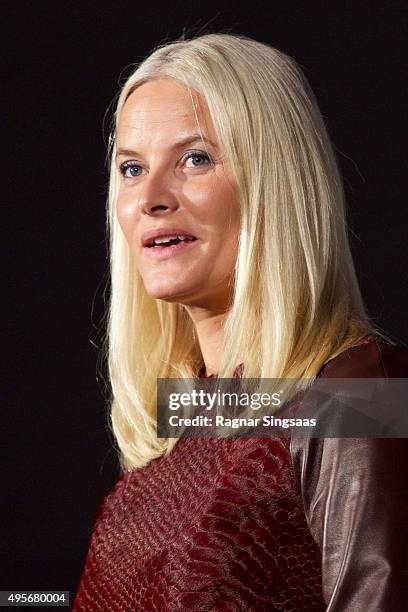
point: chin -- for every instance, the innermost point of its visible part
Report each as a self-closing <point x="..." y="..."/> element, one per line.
<point x="167" y="292"/>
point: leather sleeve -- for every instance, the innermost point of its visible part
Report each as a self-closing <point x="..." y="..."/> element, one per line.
<point x="356" y="504"/>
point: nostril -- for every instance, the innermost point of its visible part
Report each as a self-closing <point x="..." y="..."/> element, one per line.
<point x="158" y="207"/>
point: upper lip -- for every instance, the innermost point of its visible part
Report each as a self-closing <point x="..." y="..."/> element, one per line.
<point x="150" y="235"/>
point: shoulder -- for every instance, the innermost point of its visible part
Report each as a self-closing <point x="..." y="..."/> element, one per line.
<point x="372" y="357"/>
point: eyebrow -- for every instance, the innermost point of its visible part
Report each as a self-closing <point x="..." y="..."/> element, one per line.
<point x="177" y="145"/>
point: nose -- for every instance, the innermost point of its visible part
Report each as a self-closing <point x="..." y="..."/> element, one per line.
<point x="158" y="195"/>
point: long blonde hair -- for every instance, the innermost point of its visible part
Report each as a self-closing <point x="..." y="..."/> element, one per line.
<point x="296" y="299"/>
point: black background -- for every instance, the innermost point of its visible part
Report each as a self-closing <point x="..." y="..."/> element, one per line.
<point x="63" y="67"/>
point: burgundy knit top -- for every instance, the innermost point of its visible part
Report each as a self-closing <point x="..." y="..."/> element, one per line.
<point x="260" y="524"/>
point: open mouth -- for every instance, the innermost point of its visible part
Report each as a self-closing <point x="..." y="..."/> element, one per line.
<point x="160" y="243"/>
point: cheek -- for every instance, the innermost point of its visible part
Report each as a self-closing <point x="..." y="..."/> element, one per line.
<point x="126" y="217"/>
<point x="215" y="203"/>
<point x="224" y="218"/>
<point x="225" y="211"/>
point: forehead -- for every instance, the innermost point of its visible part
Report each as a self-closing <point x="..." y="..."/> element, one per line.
<point x="163" y="108"/>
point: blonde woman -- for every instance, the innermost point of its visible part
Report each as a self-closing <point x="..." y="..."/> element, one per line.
<point x="230" y="257"/>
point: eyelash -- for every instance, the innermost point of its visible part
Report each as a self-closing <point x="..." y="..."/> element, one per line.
<point x="133" y="164"/>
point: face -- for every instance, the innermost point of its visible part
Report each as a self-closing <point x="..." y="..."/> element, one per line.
<point x="174" y="183"/>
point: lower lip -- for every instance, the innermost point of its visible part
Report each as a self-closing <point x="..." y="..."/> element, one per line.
<point x="162" y="252"/>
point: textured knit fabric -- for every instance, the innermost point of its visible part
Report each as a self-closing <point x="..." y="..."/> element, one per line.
<point x="219" y="524"/>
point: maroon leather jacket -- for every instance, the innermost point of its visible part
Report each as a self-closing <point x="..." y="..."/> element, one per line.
<point x="260" y="524"/>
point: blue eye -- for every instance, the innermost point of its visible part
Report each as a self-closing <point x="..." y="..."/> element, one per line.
<point x="130" y="169"/>
<point x="194" y="159"/>
<point x="198" y="159"/>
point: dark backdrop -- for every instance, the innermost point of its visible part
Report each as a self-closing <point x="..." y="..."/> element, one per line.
<point x="63" y="61"/>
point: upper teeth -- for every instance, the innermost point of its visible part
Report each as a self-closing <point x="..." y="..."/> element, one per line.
<point x="164" y="239"/>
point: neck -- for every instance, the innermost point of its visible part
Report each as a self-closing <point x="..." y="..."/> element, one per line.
<point x="210" y="333"/>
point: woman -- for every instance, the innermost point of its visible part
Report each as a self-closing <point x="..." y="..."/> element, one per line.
<point x="230" y="256"/>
